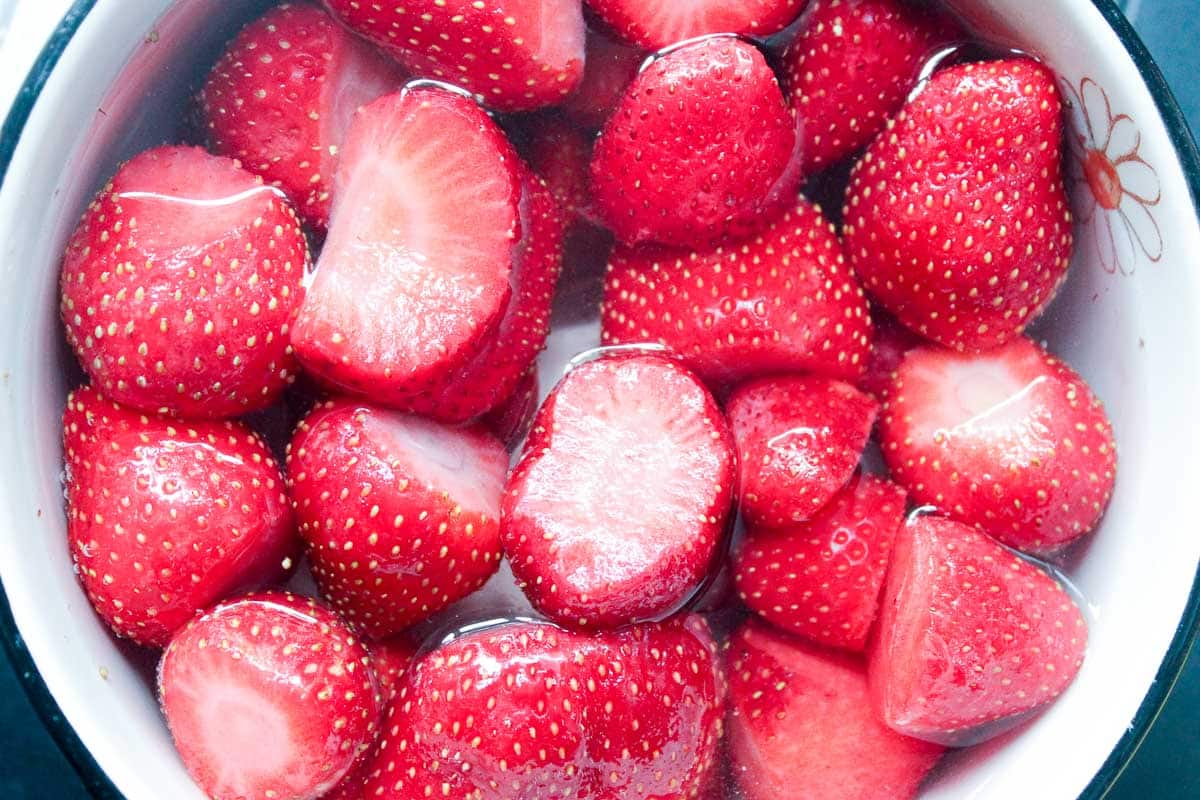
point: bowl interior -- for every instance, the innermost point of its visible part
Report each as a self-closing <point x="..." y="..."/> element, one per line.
<point x="1126" y="320"/>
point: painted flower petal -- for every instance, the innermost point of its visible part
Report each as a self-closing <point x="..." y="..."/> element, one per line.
<point x="1106" y="245"/>
<point x="1140" y="180"/>
<point x="1123" y="139"/>
<point x="1097" y="110"/>
<point x="1083" y="202"/>
<point x="1125" y="246"/>
<point x="1143" y="228"/>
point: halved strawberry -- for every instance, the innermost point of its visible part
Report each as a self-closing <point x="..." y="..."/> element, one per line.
<point x="700" y="147"/>
<point x="515" y="55"/>
<point x="514" y="417"/>
<point x="658" y="25"/>
<point x="268" y="696"/>
<point x="618" y="505"/>
<point x="971" y="636"/>
<point x="892" y="342"/>
<point x="180" y="283"/>
<point x="851" y="67"/>
<point x="801" y="726"/>
<point x="782" y="301"/>
<point x="799" y="439"/>
<point x="821" y="579"/>
<point x="528" y="710"/>
<point x="400" y="514"/>
<point x="610" y="66"/>
<point x="414" y="276"/>
<point x="1012" y="441"/>
<point x="957" y="219"/>
<point x="165" y="518"/>
<point x="282" y="96"/>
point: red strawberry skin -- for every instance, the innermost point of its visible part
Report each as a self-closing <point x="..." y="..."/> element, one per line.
<point x="821" y="579"/>
<point x="513" y="419"/>
<point x="851" y="67"/>
<point x="165" y="518"/>
<point x="801" y="726"/>
<point x="268" y="696"/>
<point x="611" y="65"/>
<point x="799" y="439"/>
<point x="782" y="301"/>
<point x="514" y="55"/>
<point x="1012" y="441"/>
<point x="658" y="25"/>
<point x="527" y="710"/>
<point x="400" y="515"/>
<point x="716" y="160"/>
<point x="282" y="95"/>
<point x="561" y="152"/>
<point x="957" y="218"/>
<point x="180" y="284"/>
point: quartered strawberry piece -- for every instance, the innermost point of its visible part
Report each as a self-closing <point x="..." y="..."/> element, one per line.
<point x="851" y="67"/>
<point x="971" y="636"/>
<point x="400" y="514"/>
<point x="268" y="696"/>
<point x="700" y="147"/>
<point x="1012" y="441"/>
<point x="514" y="55"/>
<point x="611" y="65"/>
<point x="527" y="710"/>
<point x="891" y="343"/>
<point x="799" y="439"/>
<point x="281" y="98"/>
<point x="658" y="25"/>
<point x="821" y="579"/>
<point x="180" y="283"/>
<point x="782" y="301"/>
<point x="802" y="727"/>
<point x="165" y="518"/>
<point x="514" y="417"/>
<point x="618" y="505"/>
<point x="414" y="277"/>
<point x="957" y="219"/>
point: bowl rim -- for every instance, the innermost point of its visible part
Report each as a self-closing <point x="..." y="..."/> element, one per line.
<point x="101" y="787"/>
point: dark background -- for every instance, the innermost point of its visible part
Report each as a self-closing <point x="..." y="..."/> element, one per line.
<point x="1166" y="768"/>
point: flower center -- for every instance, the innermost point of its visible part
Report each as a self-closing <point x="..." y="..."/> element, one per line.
<point x="1103" y="179"/>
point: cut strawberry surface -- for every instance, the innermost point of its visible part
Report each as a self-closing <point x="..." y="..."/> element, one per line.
<point x="801" y="726"/>
<point x="611" y="65"/>
<point x="821" y="579"/>
<point x="618" y="505"/>
<point x="1012" y="441"/>
<point x="658" y="25"/>
<point x="414" y="276"/>
<point x="971" y="636"/>
<point x="268" y="696"/>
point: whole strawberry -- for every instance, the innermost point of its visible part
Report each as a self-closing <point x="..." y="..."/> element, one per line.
<point x="957" y="218"/>
<point x="164" y="517"/>
<point x="659" y="25"/>
<point x="180" y="284"/>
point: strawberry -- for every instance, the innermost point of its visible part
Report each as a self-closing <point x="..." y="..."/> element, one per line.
<point x="515" y="55"/>
<point x="180" y="283"/>
<point x="799" y="440"/>
<point x="560" y="152"/>
<point x="1011" y="441"/>
<point x="282" y="95"/>
<point x="971" y="636"/>
<point x="513" y="419"/>
<point x="610" y="66"/>
<point x="617" y="507"/>
<point x="801" y="726"/>
<point x="892" y="342"/>
<point x="783" y="301"/>
<point x="957" y="218"/>
<point x="268" y="696"/>
<point x="400" y="514"/>
<point x="395" y="309"/>
<point x="165" y="517"/>
<point x="821" y="579"/>
<point x="527" y="710"/>
<point x="658" y="25"/>
<point x="851" y="67"/>
<point x="700" y="147"/>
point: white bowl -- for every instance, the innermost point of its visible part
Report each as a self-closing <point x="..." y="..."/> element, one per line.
<point x="113" y="80"/>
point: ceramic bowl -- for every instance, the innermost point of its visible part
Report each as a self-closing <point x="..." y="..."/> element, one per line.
<point x="112" y="81"/>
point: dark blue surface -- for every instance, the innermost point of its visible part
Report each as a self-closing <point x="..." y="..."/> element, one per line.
<point x="1166" y="768"/>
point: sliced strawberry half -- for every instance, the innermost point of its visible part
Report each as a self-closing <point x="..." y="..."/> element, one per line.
<point x="821" y="579"/>
<point x="782" y="301"/>
<point x="658" y="25"/>
<point x="1012" y="441"/>
<point x="268" y="696"/>
<point x="618" y="505"/>
<point x="414" y="276"/>
<point x="801" y="726"/>
<point x="400" y="514"/>
<point x="515" y="55"/>
<point x="282" y="95"/>
<point x="971" y="636"/>
<point x="799" y="439"/>
<point x="611" y="65"/>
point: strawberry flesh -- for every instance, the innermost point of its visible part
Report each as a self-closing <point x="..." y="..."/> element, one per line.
<point x="658" y="25"/>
